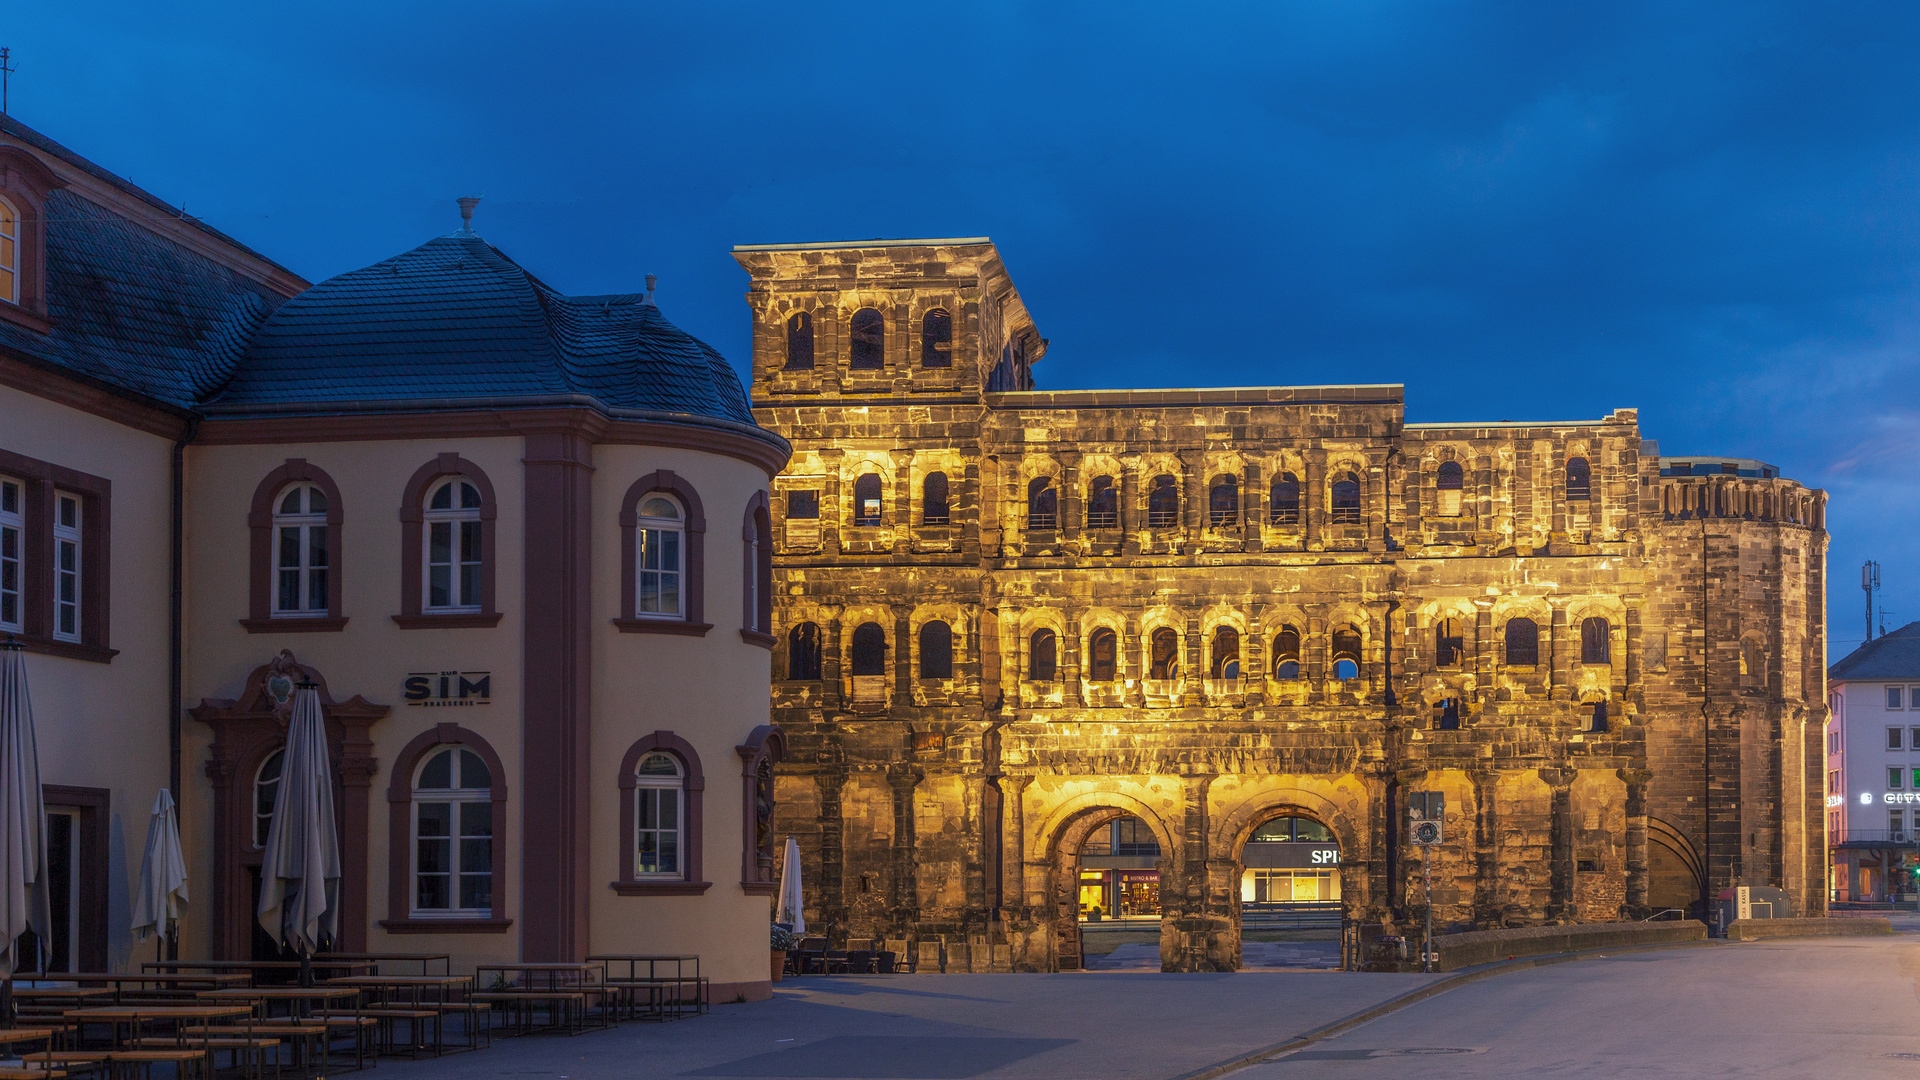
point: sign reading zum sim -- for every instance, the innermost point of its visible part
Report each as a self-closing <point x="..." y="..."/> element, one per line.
<point x="439" y="689"/>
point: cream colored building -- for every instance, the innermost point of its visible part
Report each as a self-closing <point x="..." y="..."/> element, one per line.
<point x="519" y="540"/>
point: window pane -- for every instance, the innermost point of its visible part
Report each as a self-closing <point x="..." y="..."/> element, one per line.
<point x="434" y="855"/>
<point x="317" y="545"/>
<point x="442" y="498"/>
<point x="476" y="819"/>
<point x="476" y="892"/>
<point x="470" y="541"/>
<point x="440" y="542"/>
<point x="431" y="892"/>
<point x="470" y="585"/>
<point x="649" y="592"/>
<point x="473" y="771"/>
<point x="670" y="551"/>
<point x="649" y="549"/>
<point x="439" y="586"/>
<point x="469" y="497"/>
<point x="316" y="501"/>
<point x="646" y="804"/>
<point x="669" y="809"/>
<point x="476" y="856"/>
<point x="669" y="853"/>
<point x="317" y="590"/>
<point x="670" y="594"/>
<point x="290" y="503"/>
<point x="436" y="819"/>
<point x="439" y="771"/>
<point x="290" y="546"/>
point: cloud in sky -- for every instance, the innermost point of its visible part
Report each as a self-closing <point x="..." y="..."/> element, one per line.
<point x="1708" y="211"/>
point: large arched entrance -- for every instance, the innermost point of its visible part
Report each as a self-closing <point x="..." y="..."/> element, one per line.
<point x="1289" y="896"/>
<point x="1673" y="869"/>
<point x="1106" y="866"/>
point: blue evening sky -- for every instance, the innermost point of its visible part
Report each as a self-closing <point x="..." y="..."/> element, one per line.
<point x="1707" y="211"/>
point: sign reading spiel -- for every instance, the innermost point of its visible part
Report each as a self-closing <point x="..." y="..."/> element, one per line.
<point x="441" y="689"/>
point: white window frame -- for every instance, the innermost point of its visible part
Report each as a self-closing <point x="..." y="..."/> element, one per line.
<point x="1896" y="777"/>
<point x="459" y="524"/>
<point x="653" y="791"/>
<point x="10" y="260"/>
<point x="457" y="798"/>
<point x="304" y="521"/>
<point x="1891" y="692"/>
<point x="662" y="541"/>
<point x="13" y="547"/>
<point x="68" y="553"/>
<point x="261" y="821"/>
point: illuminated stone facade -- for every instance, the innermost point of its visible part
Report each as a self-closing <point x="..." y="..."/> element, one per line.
<point x="1198" y="627"/>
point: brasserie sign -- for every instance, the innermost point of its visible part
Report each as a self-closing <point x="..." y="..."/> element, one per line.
<point x="442" y="689"/>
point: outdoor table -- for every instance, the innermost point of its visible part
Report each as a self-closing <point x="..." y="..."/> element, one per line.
<point x="418" y="995"/>
<point x="134" y="1015"/>
<point x="264" y="996"/>
<point x="565" y="985"/>
<point x="376" y="959"/>
<point x="59" y="993"/>
<point x="255" y="968"/>
<point x="656" y="979"/>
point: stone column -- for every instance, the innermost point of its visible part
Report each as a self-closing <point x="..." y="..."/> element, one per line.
<point x="832" y="886"/>
<point x="1565" y="645"/>
<point x="1253" y="658"/>
<point x="832" y="508"/>
<point x="1637" y="870"/>
<point x="1313" y="500"/>
<point x="967" y="512"/>
<point x="900" y="516"/>
<point x="1560" y="901"/>
<point x="1133" y="662"/>
<point x="1132" y="514"/>
<point x="902" y="654"/>
<point x="1487" y="902"/>
<point x="831" y="693"/>
<point x="1195" y="664"/>
<point x="1193" y="497"/>
<point x="1253" y="508"/>
<point x="904" y="896"/>
<point x="1071" y="518"/>
<point x="1070" y="665"/>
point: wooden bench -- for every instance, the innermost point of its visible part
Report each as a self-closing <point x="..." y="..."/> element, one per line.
<point x="8" y="1072"/>
<point x="141" y="1062"/>
<point x="417" y="1018"/>
<point x="250" y="1053"/>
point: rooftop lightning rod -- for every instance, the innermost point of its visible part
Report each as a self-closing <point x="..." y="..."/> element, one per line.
<point x="6" y="69"/>
<point x="1869" y="581"/>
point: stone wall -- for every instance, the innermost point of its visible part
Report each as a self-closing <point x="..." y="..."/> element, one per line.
<point x="952" y="803"/>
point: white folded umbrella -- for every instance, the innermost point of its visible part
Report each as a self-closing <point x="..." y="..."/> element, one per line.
<point x="791" y="911"/>
<point x="163" y="873"/>
<point x="23" y="817"/>
<point x="300" y="869"/>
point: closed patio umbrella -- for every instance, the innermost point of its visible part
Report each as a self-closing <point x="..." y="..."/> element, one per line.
<point x="163" y="874"/>
<point x="791" y="912"/>
<point x="23" y="823"/>
<point x="300" y="869"/>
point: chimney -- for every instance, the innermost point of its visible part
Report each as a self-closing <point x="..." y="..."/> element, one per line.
<point x="651" y="281"/>
<point x="467" y="203"/>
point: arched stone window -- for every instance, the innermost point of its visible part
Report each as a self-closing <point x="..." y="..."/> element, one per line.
<point x="1043" y="656"/>
<point x="1286" y="654"/>
<point x="1346" y="652"/>
<point x="1579" y="480"/>
<point x="1163" y="654"/>
<point x="1523" y="643"/>
<point x="1043" y="503"/>
<point x="936" y="339"/>
<point x="446" y="835"/>
<point x="447" y="517"/>
<point x="803" y="652"/>
<point x="1223" y="501"/>
<point x="1448" y="643"/>
<point x="266" y="791"/>
<point x="800" y="341"/>
<point x="1284" y="506"/>
<point x="1225" y="661"/>
<point x="662" y="789"/>
<point x="1346" y="498"/>
<point x="295" y="533"/>
<point x="933" y="500"/>
<point x="1163" y="503"/>
<point x="869" y="650"/>
<point x="1753" y="659"/>
<point x="866" y="500"/>
<point x="868" y="340"/>
<point x="1595" y="648"/>
<point x="1103" y="504"/>
<point x="1451" y="480"/>
<point x="1103" y="656"/>
<point x="936" y="650"/>
<point x="663" y="564"/>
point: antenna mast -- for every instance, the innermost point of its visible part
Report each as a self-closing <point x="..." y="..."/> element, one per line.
<point x="6" y="69"/>
<point x="1869" y="581"/>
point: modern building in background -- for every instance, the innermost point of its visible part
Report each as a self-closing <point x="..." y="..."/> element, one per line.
<point x="520" y="540"/>
<point x="1873" y="769"/>
<point x="1172" y="653"/>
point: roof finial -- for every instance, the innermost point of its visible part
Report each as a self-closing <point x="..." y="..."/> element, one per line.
<point x="467" y="203"/>
<point x="651" y="281"/>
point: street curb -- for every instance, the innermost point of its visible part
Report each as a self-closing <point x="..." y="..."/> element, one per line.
<point x="1413" y="997"/>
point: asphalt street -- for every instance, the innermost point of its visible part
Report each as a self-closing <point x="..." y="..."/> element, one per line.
<point x="1823" y="1008"/>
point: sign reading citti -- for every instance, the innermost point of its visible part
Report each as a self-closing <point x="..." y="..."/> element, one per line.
<point x="438" y="689"/>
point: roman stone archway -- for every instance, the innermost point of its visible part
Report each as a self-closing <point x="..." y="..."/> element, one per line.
<point x="1067" y="831"/>
<point x="1673" y="868"/>
<point x="1348" y="876"/>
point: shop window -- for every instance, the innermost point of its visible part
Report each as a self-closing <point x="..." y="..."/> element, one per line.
<point x="936" y="339"/>
<point x="1595" y="647"/>
<point x="302" y="552"/>
<point x="868" y="339"/>
<point x="869" y="650"/>
<point x="1043" y="656"/>
<point x="1103" y="504"/>
<point x="1223" y="502"/>
<point x="453" y="836"/>
<point x="1523" y="643"/>
<point x="1346" y="499"/>
<point x="1103" y="654"/>
<point x="936" y="650"/>
<point x="1346" y="652"/>
<point x="933" y="499"/>
<point x="1446" y="715"/>
<point x="1579" y="480"/>
<point x="1163" y="503"/>
<point x="266" y="791"/>
<point x="1163" y="660"/>
<point x="1043" y="503"/>
<point x="1286" y="654"/>
<point x="803" y="652"/>
<point x="1225" y="662"/>
<point x="800" y="341"/>
<point x="866" y="500"/>
<point x="1448" y="643"/>
<point x="1451" y="480"/>
<point x="1284" y="506"/>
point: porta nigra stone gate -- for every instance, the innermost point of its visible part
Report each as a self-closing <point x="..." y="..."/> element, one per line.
<point x="1005" y="617"/>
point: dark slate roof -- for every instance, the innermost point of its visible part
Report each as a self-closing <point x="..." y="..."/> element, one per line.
<point x="1891" y="656"/>
<point x="455" y="319"/>
<point x="134" y="310"/>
